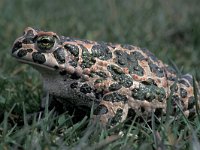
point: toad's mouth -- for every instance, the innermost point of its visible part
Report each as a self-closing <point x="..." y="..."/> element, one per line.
<point x="36" y="64"/>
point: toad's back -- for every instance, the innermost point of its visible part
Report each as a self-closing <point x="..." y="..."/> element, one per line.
<point x="116" y="78"/>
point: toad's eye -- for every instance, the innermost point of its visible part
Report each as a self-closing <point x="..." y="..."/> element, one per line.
<point x="45" y="42"/>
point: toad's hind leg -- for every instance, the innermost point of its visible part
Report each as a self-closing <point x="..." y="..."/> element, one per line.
<point x="111" y="113"/>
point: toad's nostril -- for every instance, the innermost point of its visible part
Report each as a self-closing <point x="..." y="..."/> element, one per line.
<point x="28" y="41"/>
<point x="38" y="57"/>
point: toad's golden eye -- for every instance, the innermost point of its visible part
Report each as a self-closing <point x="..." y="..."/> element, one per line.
<point x="45" y="42"/>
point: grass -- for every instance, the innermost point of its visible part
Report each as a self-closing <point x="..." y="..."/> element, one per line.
<point x="170" y="29"/>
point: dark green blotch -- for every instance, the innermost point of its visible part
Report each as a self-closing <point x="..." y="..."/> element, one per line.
<point x="192" y="113"/>
<point x="175" y="97"/>
<point x="156" y="70"/>
<point x="160" y="92"/>
<point x="100" y="110"/>
<point x="137" y="70"/>
<point x="29" y="50"/>
<point x="38" y="57"/>
<point x="183" y="82"/>
<point x="102" y="52"/>
<point x="119" y="75"/>
<point x="133" y="65"/>
<point x="123" y="59"/>
<point x="115" y="70"/>
<point x="142" y="94"/>
<point x="149" y="93"/>
<point x="188" y="78"/>
<point x="117" y="118"/>
<point x="177" y="103"/>
<point x="137" y="55"/>
<point x="28" y="41"/>
<point x="125" y="80"/>
<point x="88" y="59"/>
<point x="171" y="70"/>
<point x="56" y="67"/>
<point x="183" y="93"/>
<point x="98" y="81"/>
<point x="75" y="76"/>
<point x="101" y="74"/>
<point x="191" y="102"/>
<point x="92" y="74"/>
<point x="115" y="86"/>
<point x="16" y="46"/>
<point x="150" y="55"/>
<point x="173" y="88"/>
<point x="85" y="88"/>
<point x="59" y="54"/>
<point x="63" y="72"/>
<point x="74" y="85"/>
<point x="73" y="49"/>
<point x="171" y="78"/>
<point x="22" y="53"/>
<point x="99" y="93"/>
<point x="115" y="97"/>
<point x="73" y="63"/>
<point x="149" y="81"/>
<point x="175" y="100"/>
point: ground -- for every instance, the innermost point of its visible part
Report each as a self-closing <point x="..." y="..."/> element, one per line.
<point x="170" y="29"/>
